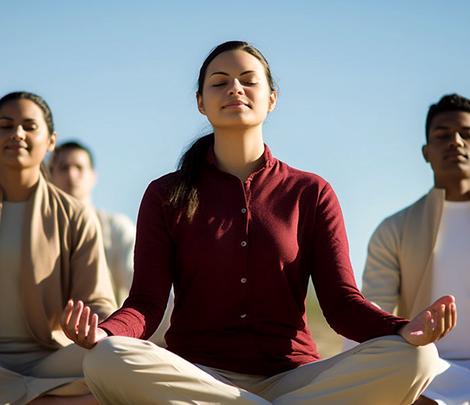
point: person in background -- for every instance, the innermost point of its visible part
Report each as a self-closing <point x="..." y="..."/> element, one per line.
<point x="51" y="251"/>
<point x="239" y="234"/>
<point x="424" y="250"/>
<point x="72" y="169"/>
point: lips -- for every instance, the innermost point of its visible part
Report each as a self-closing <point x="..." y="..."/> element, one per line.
<point x="235" y="104"/>
<point x="16" y="146"/>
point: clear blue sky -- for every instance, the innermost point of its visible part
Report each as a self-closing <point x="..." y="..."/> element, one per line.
<point x="355" y="78"/>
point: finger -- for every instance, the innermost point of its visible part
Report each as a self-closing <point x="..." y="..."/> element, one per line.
<point x="92" y="332"/>
<point x="448" y="319"/>
<point x="82" y="327"/>
<point x="452" y="316"/>
<point x="441" y="322"/>
<point x="74" y="317"/>
<point x="65" y="318"/>
<point x="429" y="327"/>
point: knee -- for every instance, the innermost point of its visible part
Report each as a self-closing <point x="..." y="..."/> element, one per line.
<point x="105" y="356"/>
<point x="421" y="360"/>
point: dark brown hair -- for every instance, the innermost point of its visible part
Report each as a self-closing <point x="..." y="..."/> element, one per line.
<point x="184" y="194"/>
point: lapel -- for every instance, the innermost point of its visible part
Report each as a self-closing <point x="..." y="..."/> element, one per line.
<point x="420" y="235"/>
<point x="37" y="263"/>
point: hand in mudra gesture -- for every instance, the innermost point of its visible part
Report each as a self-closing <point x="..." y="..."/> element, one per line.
<point x="80" y="325"/>
<point x="432" y="324"/>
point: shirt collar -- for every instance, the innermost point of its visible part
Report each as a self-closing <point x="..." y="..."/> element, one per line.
<point x="267" y="157"/>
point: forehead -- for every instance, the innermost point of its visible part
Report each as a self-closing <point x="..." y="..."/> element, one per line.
<point x="234" y="62"/>
<point x="450" y="119"/>
<point x="73" y="157"/>
<point x="22" y="108"/>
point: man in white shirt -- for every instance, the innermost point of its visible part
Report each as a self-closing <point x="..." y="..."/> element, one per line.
<point x="423" y="251"/>
<point x="72" y="169"/>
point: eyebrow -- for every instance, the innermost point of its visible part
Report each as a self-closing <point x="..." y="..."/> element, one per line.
<point x="25" y="120"/>
<point x="443" y="127"/>
<point x="226" y="74"/>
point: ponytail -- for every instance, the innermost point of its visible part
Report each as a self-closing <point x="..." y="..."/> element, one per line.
<point x="184" y="194"/>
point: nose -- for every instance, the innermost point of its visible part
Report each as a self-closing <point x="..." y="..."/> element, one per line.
<point x="235" y="88"/>
<point x="19" y="133"/>
<point x="456" y="139"/>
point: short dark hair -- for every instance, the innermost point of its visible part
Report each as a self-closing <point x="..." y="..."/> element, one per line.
<point x="449" y="102"/>
<point x="70" y="146"/>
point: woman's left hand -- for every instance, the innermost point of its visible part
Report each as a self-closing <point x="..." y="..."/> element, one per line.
<point x="433" y="323"/>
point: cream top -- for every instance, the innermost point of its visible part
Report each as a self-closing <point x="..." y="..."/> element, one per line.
<point x="451" y="275"/>
<point x="14" y="331"/>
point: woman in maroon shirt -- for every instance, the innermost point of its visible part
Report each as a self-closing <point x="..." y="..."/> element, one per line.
<point x="238" y="234"/>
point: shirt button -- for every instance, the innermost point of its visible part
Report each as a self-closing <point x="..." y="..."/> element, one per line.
<point x="243" y="280"/>
<point x="243" y="243"/>
<point x="243" y="316"/>
<point x="243" y="210"/>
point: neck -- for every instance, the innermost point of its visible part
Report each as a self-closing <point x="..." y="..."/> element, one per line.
<point x="18" y="186"/>
<point x="238" y="152"/>
<point x="456" y="190"/>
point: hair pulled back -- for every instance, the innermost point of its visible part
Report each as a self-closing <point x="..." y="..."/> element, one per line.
<point x="184" y="194"/>
<point x="41" y="103"/>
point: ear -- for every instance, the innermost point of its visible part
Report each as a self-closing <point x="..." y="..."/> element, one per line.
<point x="200" y="104"/>
<point x="52" y="142"/>
<point x="425" y="152"/>
<point x="272" y="100"/>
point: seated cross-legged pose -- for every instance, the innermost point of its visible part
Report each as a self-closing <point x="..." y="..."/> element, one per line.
<point x="238" y="233"/>
<point x="50" y="252"/>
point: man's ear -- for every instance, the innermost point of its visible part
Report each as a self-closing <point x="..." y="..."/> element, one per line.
<point x="272" y="100"/>
<point x="200" y="104"/>
<point x="425" y="152"/>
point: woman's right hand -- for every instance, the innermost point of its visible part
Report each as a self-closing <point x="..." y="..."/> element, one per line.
<point x="80" y="325"/>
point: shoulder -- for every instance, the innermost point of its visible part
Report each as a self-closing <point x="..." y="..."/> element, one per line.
<point x="64" y="203"/>
<point x="394" y="225"/>
<point x="300" y="178"/>
<point x="399" y="217"/>
<point x="162" y="186"/>
<point x="116" y="221"/>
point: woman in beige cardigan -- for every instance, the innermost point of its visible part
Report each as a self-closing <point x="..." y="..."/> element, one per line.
<point x="50" y="252"/>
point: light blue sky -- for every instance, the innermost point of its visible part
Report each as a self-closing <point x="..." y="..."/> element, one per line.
<point x="355" y="78"/>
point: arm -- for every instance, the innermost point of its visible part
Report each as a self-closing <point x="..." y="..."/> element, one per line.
<point x="344" y="307"/>
<point x="122" y="254"/>
<point x="90" y="279"/>
<point x="381" y="277"/>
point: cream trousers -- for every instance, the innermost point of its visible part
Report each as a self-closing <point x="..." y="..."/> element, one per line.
<point x="387" y="370"/>
<point x="26" y="376"/>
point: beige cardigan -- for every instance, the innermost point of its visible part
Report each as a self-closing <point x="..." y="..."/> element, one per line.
<point x="62" y="258"/>
<point x="398" y="271"/>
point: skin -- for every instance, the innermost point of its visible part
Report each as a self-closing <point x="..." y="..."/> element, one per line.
<point x="448" y="153"/>
<point x="236" y="99"/>
<point x="237" y="103"/>
<point x="24" y="142"/>
<point x="73" y="173"/>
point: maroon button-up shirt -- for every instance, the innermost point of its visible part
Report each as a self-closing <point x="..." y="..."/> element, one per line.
<point x="240" y="271"/>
